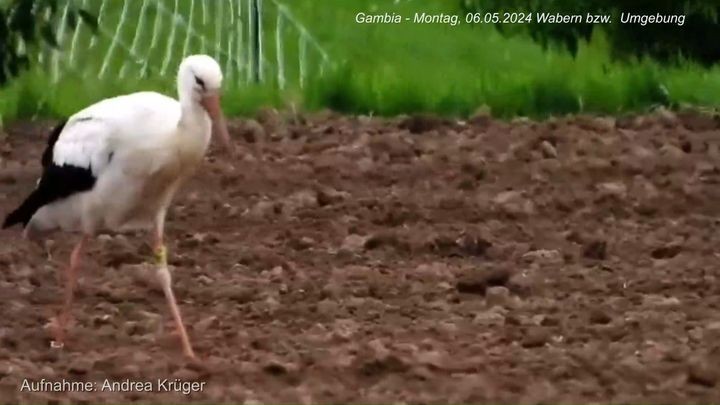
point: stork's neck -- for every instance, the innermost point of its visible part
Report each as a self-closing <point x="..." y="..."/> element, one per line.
<point x="192" y="113"/>
<point x="193" y="134"/>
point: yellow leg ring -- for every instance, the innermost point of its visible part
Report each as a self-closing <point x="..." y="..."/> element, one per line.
<point x="161" y="256"/>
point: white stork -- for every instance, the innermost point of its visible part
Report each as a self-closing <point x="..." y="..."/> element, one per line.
<point x="116" y="165"/>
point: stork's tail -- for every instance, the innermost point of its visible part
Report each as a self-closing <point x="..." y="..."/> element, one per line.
<point x="25" y="211"/>
<point x="35" y="200"/>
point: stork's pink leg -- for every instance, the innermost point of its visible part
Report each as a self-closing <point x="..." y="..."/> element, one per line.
<point x="70" y="282"/>
<point x="163" y="274"/>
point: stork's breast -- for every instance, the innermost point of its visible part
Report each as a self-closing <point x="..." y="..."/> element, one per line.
<point x="161" y="180"/>
<point x="177" y="164"/>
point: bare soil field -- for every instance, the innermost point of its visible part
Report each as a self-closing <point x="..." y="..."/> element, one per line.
<point x="405" y="260"/>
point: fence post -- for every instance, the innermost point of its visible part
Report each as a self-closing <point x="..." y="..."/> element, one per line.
<point x="256" y="26"/>
<point x="279" y="51"/>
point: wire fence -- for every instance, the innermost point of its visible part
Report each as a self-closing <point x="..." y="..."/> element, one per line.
<point x="253" y="40"/>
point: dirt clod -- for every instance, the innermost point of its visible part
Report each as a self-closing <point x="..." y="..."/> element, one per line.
<point x="536" y="337"/>
<point x="598" y="316"/>
<point x="596" y="249"/>
<point x="477" y="281"/>
<point x="702" y="373"/>
<point x="418" y="124"/>
<point x="666" y="252"/>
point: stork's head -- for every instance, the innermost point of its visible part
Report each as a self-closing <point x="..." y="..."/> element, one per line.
<point x="200" y="83"/>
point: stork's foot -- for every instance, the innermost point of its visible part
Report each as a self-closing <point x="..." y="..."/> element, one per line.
<point x="175" y="333"/>
<point x="189" y="353"/>
<point x="57" y="331"/>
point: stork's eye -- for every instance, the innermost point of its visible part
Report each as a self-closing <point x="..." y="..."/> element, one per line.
<point x="200" y="82"/>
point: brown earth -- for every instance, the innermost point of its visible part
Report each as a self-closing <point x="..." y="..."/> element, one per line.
<point x="406" y="260"/>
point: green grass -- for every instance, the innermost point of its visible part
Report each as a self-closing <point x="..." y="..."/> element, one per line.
<point x="393" y="69"/>
<point x="453" y="70"/>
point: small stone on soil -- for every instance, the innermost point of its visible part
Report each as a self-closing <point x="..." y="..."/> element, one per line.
<point x="514" y="203"/>
<point x="354" y="243"/>
<point x="495" y="316"/>
<point x="548" y="150"/>
<point x="498" y="295"/>
<point x="613" y="189"/>
<point x="543" y="256"/>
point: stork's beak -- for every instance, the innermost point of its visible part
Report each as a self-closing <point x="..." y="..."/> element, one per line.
<point x="211" y="104"/>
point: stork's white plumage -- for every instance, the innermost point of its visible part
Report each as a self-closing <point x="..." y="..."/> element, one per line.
<point x="117" y="164"/>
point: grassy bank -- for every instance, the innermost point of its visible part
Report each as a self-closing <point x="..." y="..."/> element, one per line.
<point x="389" y="69"/>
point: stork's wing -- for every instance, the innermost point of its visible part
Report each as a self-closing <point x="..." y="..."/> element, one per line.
<point x="84" y="143"/>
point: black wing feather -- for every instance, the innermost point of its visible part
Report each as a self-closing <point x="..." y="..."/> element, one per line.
<point x="56" y="183"/>
<point x="47" y="156"/>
